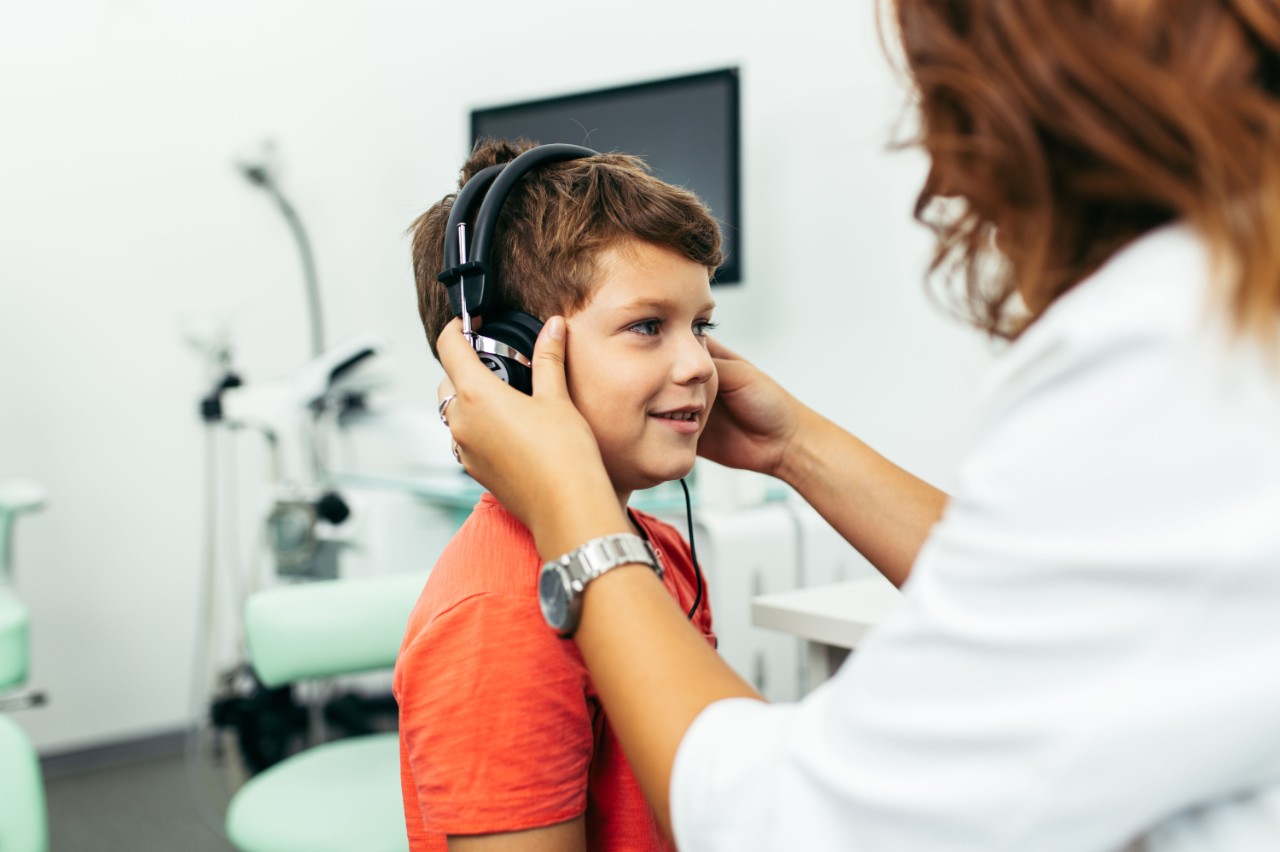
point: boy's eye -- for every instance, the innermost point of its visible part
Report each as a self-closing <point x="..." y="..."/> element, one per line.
<point x="647" y="327"/>
<point x="653" y="327"/>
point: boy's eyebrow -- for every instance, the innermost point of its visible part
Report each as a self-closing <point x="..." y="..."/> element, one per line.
<point x="659" y="303"/>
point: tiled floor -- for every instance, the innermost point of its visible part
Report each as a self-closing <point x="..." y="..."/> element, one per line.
<point x="157" y="803"/>
<point x="161" y="793"/>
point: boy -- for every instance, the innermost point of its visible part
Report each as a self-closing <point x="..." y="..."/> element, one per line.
<point x="503" y="742"/>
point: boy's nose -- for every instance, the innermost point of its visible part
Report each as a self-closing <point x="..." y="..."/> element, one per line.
<point x="693" y="363"/>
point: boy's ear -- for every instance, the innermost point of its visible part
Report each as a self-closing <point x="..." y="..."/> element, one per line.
<point x="515" y="334"/>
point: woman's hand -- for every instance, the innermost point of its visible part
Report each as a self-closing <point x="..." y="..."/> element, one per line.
<point x="535" y="453"/>
<point x="753" y="421"/>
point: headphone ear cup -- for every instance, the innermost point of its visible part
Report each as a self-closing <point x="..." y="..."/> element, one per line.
<point x="520" y="332"/>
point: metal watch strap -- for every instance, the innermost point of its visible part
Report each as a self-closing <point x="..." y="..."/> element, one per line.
<point x="609" y="551"/>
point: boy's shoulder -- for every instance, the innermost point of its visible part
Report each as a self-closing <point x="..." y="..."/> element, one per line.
<point x="489" y="525"/>
<point x="486" y="576"/>
<point x="663" y="536"/>
<point x="655" y="526"/>
<point x="492" y="553"/>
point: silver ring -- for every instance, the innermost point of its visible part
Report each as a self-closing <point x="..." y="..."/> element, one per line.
<point x="444" y="403"/>
<point x="456" y="456"/>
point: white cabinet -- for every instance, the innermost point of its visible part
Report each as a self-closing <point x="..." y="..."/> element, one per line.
<point x="744" y="553"/>
<point x="823" y="556"/>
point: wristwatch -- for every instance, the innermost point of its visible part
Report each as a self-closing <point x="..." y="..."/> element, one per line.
<point x="563" y="580"/>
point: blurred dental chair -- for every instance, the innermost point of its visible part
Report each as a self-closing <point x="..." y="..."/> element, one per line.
<point x="23" y="821"/>
<point x="343" y="795"/>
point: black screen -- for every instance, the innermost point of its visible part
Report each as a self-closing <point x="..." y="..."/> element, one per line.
<point x="685" y="128"/>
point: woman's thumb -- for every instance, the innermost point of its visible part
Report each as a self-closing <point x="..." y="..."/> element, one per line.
<point x="548" y="359"/>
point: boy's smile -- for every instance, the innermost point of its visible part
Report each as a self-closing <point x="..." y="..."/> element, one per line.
<point x="638" y="366"/>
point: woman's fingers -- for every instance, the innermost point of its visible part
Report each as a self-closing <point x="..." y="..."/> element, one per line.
<point x="523" y="448"/>
<point x="459" y="360"/>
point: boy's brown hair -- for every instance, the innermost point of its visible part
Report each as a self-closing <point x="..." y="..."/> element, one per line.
<point x="554" y="225"/>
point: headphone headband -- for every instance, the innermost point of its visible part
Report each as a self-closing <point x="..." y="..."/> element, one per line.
<point x="464" y="205"/>
<point x="494" y="184"/>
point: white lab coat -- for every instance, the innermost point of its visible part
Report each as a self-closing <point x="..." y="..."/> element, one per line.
<point x="1088" y="654"/>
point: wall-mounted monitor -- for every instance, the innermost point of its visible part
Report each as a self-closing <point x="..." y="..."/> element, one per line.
<point x="685" y="128"/>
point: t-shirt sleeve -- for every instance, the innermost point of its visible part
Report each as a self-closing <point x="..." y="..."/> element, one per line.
<point x="495" y="719"/>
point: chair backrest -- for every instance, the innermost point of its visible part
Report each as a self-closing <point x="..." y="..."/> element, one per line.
<point x="329" y="628"/>
<point x="16" y="496"/>
<point x="23" y="819"/>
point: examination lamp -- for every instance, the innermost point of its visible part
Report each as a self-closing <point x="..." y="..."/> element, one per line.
<point x="261" y="175"/>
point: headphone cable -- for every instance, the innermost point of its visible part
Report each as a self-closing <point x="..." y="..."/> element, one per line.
<point x="693" y="550"/>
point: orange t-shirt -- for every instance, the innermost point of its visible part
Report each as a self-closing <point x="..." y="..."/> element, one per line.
<point x="500" y="725"/>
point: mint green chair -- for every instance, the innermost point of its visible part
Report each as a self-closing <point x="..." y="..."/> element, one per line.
<point x="339" y="796"/>
<point x="23" y="823"/>
<point x="23" y="820"/>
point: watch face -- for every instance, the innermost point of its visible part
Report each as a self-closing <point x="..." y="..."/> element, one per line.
<point x="554" y="598"/>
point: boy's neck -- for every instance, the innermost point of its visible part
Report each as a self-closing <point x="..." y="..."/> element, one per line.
<point x="624" y="497"/>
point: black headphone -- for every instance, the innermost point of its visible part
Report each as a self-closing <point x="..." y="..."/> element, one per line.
<point x="506" y="346"/>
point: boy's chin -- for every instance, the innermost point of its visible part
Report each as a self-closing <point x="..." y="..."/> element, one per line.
<point x="677" y="472"/>
<point x="652" y="479"/>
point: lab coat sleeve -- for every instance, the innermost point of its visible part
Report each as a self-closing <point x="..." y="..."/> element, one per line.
<point x="704" y="769"/>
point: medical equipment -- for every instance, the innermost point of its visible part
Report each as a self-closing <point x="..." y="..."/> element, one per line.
<point x="306" y="521"/>
<point x="291" y="414"/>
<point x="302" y="527"/>
<point x="305" y="526"/>
<point x="262" y="173"/>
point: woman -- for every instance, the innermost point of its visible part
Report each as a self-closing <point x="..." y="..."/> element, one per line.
<point x="1085" y="656"/>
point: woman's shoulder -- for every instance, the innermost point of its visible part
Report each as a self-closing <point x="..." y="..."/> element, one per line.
<point x="1157" y="285"/>
<point x="1146" y="311"/>
<point x="1125" y="412"/>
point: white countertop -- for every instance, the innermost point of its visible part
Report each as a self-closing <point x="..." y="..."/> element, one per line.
<point x="837" y="615"/>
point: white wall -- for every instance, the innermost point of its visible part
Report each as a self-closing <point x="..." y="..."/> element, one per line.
<point x="122" y="214"/>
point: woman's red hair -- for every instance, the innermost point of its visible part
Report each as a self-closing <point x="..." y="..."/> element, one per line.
<point x="1064" y="130"/>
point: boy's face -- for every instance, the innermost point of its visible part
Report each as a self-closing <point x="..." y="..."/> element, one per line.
<point x="638" y="366"/>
